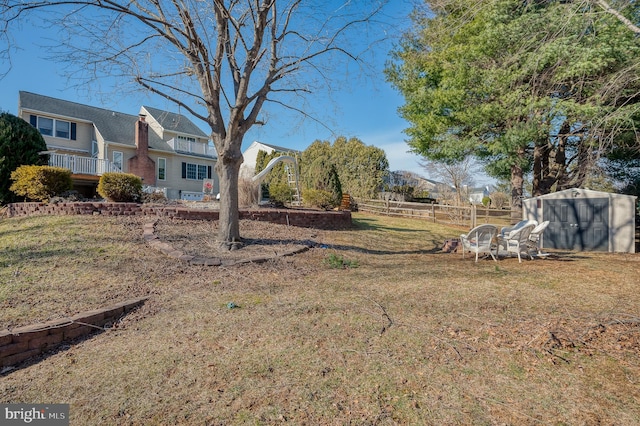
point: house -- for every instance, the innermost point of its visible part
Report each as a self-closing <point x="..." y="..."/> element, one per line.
<point x="477" y="195"/>
<point x="248" y="167"/>
<point x="167" y="150"/>
<point x="585" y="220"/>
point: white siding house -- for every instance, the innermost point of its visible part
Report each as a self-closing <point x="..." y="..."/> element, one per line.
<point x="167" y="150"/>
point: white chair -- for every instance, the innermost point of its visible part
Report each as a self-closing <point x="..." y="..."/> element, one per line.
<point x="479" y="240"/>
<point x="534" y="238"/>
<point x="517" y="241"/>
<point x="507" y="229"/>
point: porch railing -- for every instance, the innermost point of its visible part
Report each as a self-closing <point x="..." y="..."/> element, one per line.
<point x="83" y="165"/>
<point x="191" y="147"/>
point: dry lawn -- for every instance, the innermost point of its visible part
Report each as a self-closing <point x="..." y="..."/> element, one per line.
<point x="409" y="336"/>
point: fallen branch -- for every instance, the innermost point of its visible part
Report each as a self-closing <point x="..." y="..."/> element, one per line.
<point x="385" y="314"/>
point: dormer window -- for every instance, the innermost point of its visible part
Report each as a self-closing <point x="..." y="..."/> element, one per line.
<point x="45" y="125"/>
<point x="53" y="127"/>
<point x="63" y="129"/>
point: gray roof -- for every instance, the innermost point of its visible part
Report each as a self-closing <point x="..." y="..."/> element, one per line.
<point x="175" y="122"/>
<point x="113" y="126"/>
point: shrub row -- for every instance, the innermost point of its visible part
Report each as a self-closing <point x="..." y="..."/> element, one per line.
<point x="41" y="183"/>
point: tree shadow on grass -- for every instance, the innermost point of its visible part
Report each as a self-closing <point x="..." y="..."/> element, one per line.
<point x="344" y="247"/>
<point x="364" y="224"/>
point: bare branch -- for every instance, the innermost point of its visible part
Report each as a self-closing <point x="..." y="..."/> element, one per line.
<point x="627" y="23"/>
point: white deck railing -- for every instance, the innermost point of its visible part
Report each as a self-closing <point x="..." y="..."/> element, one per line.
<point x="83" y="165"/>
<point x="191" y="147"/>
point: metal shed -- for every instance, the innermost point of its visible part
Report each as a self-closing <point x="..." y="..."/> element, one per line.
<point x="585" y="220"/>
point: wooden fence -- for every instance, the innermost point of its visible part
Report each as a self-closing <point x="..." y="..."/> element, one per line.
<point x="466" y="216"/>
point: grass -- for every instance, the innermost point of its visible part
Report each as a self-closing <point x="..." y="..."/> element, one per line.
<point x="409" y="336"/>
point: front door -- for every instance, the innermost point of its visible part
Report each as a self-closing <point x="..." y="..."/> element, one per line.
<point x="581" y="225"/>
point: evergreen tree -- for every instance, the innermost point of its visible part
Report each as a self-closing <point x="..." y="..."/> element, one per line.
<point x="523" y="86"/>
<point x="20" y="144"/>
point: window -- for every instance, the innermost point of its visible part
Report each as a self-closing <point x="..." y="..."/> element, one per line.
<point x="45" y="125"/>
<point x="52" y="127"/>
<point x="117" y="159"/>
<point x="63" y="129"/>
<point x="191" y="171"/>
<point x="186" y="139"/>
<point x="196" y="171"/>
<point x="202" y="172"/>
<point x="162" y="168"/>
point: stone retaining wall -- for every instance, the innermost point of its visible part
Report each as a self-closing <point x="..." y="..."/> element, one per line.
<point x="303" y="218"/>
<point x="21" y="343"/>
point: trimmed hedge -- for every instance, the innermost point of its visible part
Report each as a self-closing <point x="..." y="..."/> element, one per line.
<point x="40" y="183"/>
<point x="120" y="187"/>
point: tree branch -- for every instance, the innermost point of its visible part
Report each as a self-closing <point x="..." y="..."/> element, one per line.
<point x="627" y="23"/>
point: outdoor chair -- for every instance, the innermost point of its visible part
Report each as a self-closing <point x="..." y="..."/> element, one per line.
<point x="517" y="241"/>
<point x="534" y="238"/>
<point x="479" y="240"/>
<point x="507" y="229"/>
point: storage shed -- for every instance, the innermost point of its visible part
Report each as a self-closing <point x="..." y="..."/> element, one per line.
<point x="585" y="220"/>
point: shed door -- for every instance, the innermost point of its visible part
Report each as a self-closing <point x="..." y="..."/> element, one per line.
<point x="577" y="224"/>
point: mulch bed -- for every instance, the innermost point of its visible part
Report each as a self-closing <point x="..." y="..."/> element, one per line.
<point x="198" y="238"/>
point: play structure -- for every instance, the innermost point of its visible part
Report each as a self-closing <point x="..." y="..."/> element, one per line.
<point x="290" y="168"/>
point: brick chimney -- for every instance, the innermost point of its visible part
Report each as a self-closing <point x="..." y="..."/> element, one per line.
<point x="142" y="136"/>
<point x="141" y="164"/>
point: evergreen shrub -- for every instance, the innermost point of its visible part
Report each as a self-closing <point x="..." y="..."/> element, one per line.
<point x="318" y="198"/>
<point x="40" y="183"/>
<point x="120" y="187"/>
<point x="280" y="193"/>
<point x="20" y="144"/>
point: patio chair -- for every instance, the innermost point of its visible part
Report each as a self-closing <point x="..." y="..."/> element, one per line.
<point x="479" y="240"/>
<point x="517" y="241"/>
<point x="507" y="229"/>
<point x="534" y="238"/>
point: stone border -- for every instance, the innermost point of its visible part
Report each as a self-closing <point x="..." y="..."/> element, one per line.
<point x="330" y="220"/>
<point x="152" y="239"/>
<point x="20" y="344"/>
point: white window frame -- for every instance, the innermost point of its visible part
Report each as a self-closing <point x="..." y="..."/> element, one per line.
<point x="115" y="162"/>
<point x="162" y="160"/>
<point x="47" y="131"/>
<point x="59" y="132"/>
<point x="192" y="171"/>
<point x="202" y="172"/>
<point x="54" y="131"/>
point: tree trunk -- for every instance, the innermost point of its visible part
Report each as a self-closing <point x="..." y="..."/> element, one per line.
<point x="517" y="183"/>
<point x="538" y="160"/>
<point x="228" y="170"/>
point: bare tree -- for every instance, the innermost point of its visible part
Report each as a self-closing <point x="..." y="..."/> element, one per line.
<point x="458" y="175"/>
<point x="220" y="60"/>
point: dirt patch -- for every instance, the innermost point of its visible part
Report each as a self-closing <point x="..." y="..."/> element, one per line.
<point x="259" y="239"/>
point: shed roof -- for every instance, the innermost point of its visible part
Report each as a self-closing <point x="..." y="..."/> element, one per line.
<point x="579" y="192"/>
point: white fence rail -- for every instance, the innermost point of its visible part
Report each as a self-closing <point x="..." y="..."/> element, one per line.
<point x="466" y="216"/>
<point x="83" y="165"/>
<point x="192" y="147"/>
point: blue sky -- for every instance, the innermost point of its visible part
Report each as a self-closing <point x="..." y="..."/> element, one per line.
<point x="365" y="108"/>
